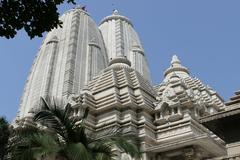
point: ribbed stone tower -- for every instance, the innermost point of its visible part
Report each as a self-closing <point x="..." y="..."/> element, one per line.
<point x="68" y="58"/>
<point x="121" y="39"/>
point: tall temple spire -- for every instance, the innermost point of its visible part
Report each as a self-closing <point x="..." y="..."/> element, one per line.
<point x="122" y="40"/>
<point x="68" y="58"/>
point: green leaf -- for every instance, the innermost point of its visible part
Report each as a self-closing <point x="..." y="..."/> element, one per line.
<point x="77" y="151"/>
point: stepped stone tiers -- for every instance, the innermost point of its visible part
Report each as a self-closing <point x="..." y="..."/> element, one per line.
<point x="120" y="97"/>
<point x="105" y="70"/>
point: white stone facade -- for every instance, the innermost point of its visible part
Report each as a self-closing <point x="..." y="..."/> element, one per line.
<point x="105" y="69"/>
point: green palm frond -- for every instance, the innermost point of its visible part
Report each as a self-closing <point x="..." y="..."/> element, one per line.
<point x="34" y="146"/>
<point x="44" y="103"/>
<point x="77" y="151"/>
<point x="53" y="118"/>
<point x="23" y="153"/>
<point x="44" y="145"/>
<point x="61" y="121"/>
<point x="126" y="143"/>
<point x="59" y="134"/>
<point x="103" y="156"/>
<point x="101" y="150"/>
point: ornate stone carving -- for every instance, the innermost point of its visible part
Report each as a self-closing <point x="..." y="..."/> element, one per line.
<point x="180" y="92"/>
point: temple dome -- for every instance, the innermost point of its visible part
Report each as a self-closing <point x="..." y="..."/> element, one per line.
<point x="180" y="90"/>
<point x="115" y="15"/>
<point x="68" y="58"/>
<point x="122" y="40"/>
<point x="121" y="85"/>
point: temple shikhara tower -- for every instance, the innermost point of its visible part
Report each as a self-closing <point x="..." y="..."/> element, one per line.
<point x="104" y="68"/>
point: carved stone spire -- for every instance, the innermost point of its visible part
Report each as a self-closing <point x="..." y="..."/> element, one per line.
<point x="69" y="58"/>
<point x="121" y="39"/>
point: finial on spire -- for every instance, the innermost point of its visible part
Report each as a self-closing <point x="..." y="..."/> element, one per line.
<point x="175" y="60"/>
<point x="81" y="7"/>
<point x="176" y="68"/>
<point x="115" y="12"/>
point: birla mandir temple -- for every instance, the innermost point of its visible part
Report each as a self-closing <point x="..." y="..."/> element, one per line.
<point x="104" y="68"/>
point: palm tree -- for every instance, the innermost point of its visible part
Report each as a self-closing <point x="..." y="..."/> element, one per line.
<point x="59" y="135"/>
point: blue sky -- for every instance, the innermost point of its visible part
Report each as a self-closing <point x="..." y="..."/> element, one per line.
<point x="205" y="34"/>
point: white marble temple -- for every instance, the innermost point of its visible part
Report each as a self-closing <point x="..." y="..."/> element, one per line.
<point x="105" y="69"/>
